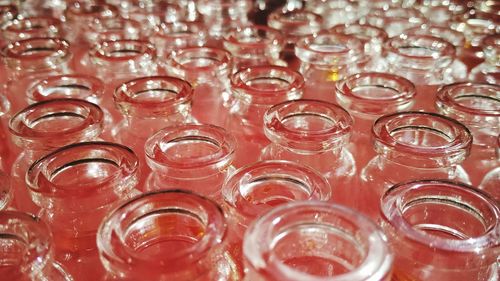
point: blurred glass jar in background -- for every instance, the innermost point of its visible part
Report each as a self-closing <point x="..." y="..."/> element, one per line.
<point x="477" y="106"/>
<point x="491" y="181"/>
<point x="412" y="146"/>
<point x="76" y="186"/>
<point x="443" y="229"/>
<point x="134" y="238"/>
<point x="27" y="249"/>
<point x="394" y="20"/>
<point x="169" y="37"/>
<point x="222" y="15"/>
<point x="31" y="27"/>
<point x="489" y="70"/>
<point x="5" y="191"/>
<point x="309" y="241"/>
<point x="317" y="134"/>
<point x="338" y="12"/>
<point x="195" y="157"/>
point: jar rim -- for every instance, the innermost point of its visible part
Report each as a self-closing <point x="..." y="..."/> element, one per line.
<point x="444" y="48"/>
<point x="448" y="95"/>
<point x="103" y="51"/>
<point x="393" y="205"/>
<point x="88" y="10"/>
<point x="25" y="25"/>
<point x="362" y="28"/>
<point x="90" y="83"/>
<point x="273" y="37"/>
<point x="259" y="242"/>
<point x="220" y="59"/>
<point x="279" y="20"/>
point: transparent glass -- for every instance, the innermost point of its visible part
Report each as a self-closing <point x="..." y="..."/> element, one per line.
<point x="32" y="59"/>
<point x="368" y="96"/>
<point x="83" y="12"/>
<point x="168" y="37"/>
<point x="413" y="146"/>
<point x="133" y="239"/>
<point x="254" y="45"/>
<point x="442" y="12"/>
<point x="338" y="11"/>
<point x="476" y="26"/>
<point x="253" y="91"/>
<point x="76" y="186"/>
<point x="7" y="149"/>
<point x="27" y="250"/>
<point x="489" y="70"/>
<point x="111" y="29"/>
<point x="477" y="106"/>
<point x="194" y="157"/>
<point x="314" y="133"/>
<point x="443" y="229"/>
<point x="327" y="58"/>
<point x="43" y="127"/>
<point x="491" y="181"/>
<point x="8" y="12"/>
<point x="31" y="27"/>
<point x="5" y="191"/>
<point x="208" y="70"/>
<point x="222" y="15"/>
<point x="373" y="39"/>
<point x="395" y="20"/>
<point x="423" y="59"/>
<point x="315" y="241"/>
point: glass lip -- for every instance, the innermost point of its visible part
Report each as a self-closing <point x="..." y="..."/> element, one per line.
<point x="103" y="29"/>
<point x="222" y="59"/>
<point x="34" y="233"/>
<point x="352" y="53"/>
<point x="323" y="139"/>
<point x="110" y="236"/>
<point x="9" y="10"/>
<point x="398" y="14"/>
<point x="81" y="9"/>
<point x="445" y="49"/>
<point x="124" y="94"/>
<point x="392" y="208"/>
<point x="321" y="189"/>
<point x="279" y="21"/>
<point x="103" y="50"/>
<point x="38" y="179"/>
<point x="216" y="135"/>
<point x="446" y="97"/>
<point x="437" y="31"/>
<point x="5" y="191"/>
<point x="238" y="82"/>
<point x="345" y="88"/>
<point x="15" y="52"/>
<point x="491" y="41"/>
<point x="376" y="31"/>
<point x="276" y="38"/>
<point x="258" y="243"/>
<point x="94" y="85"/>
<point x="92" y="122"/>
<point x="21" y="26"/>
<point x="195" y="30"/>
<point x="462" y="140"/>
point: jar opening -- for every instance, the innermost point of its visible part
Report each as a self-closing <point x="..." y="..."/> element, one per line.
<point x="67" y="86"/>
<point x="201" y="58"/>
<point x="36" y="53"/>
<point x="123" y="50"/>
<point x="32" y="27"/>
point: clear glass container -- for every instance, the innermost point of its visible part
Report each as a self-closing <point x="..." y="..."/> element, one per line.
<point x="254" y="90"/>
<point x="29" y="60"/>
<point x="254" y="45"/>
<point x="80" y="14"/>
<point x="31" y="27"/>
<point x="423" y="59"/>
<point x="442" y="12"/>
<point x="367" y="96"/>
<point x="317" y="134"/>
<point x="134" y="238"/>
<point x="27" y="249"/>
<point x="149" y="104"/>
<point x="327" y="58"/>
<point x="395" y="20"/>
<point x="76" y="186"/>
<point x="476" y="25"/>
<point x="208" y="70"/>
<point x="169" y="37"/>
<point x="8" y="12"/>
<point x="7" y="149"/>
<point x="441" y="230"/>
<point x="222" y="15"/>
<point x="314" y="241"/>
<point x="43" y="127"/>
<point x="489" y="70"/>
<point x="5" y="191"/>
<point x="111" y="29"/>
<point x="193" y="157"/>
<point x="477" y="106"/>
<point x="338" y="12"/>
<point x="413" y="146"/>
<point x="491" y="181"/>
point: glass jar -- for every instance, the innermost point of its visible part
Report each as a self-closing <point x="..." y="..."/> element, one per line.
<point x="367" y="96"/>
<point x="476" y="25"/>
<point x="29" y="60"/>
<point x="208" y="70"/>
<point x="442" y="12"/>
<point x="423" y="59"/>
<point x="413" y="146"/>
<point x="489" y="70"/>
<point x="76" y="187"/>
<point x="194" y="157"/>
<point x="254" y="90"/>
<point x="5" y="191"/>
<point x="446" y="230"/>
<point x="491" y="181"/>
<point x="43" y="127"/>
<point x="309" y="241"/>
<point x="222" y="15"/>
<point x="327" y="58"/>
<point x="134" y="238"/>
<point x="111" y="29"/>
<point x="27" y="250"/>
<point x="373" y="39"/>
<point x="338" y="12"/>
<point x="7" y="149"/>
<point x="80" y="14"/>
<point x="477" y="106"/>
<point x="31" y="27"/>
<point x="394" y="20"/>
<point x="314" y="133"/>
<point x="149" y="104"/>
<point x="169" y="37"/>
<point x="8" y="12"/>
<point x="254" y="45"/>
